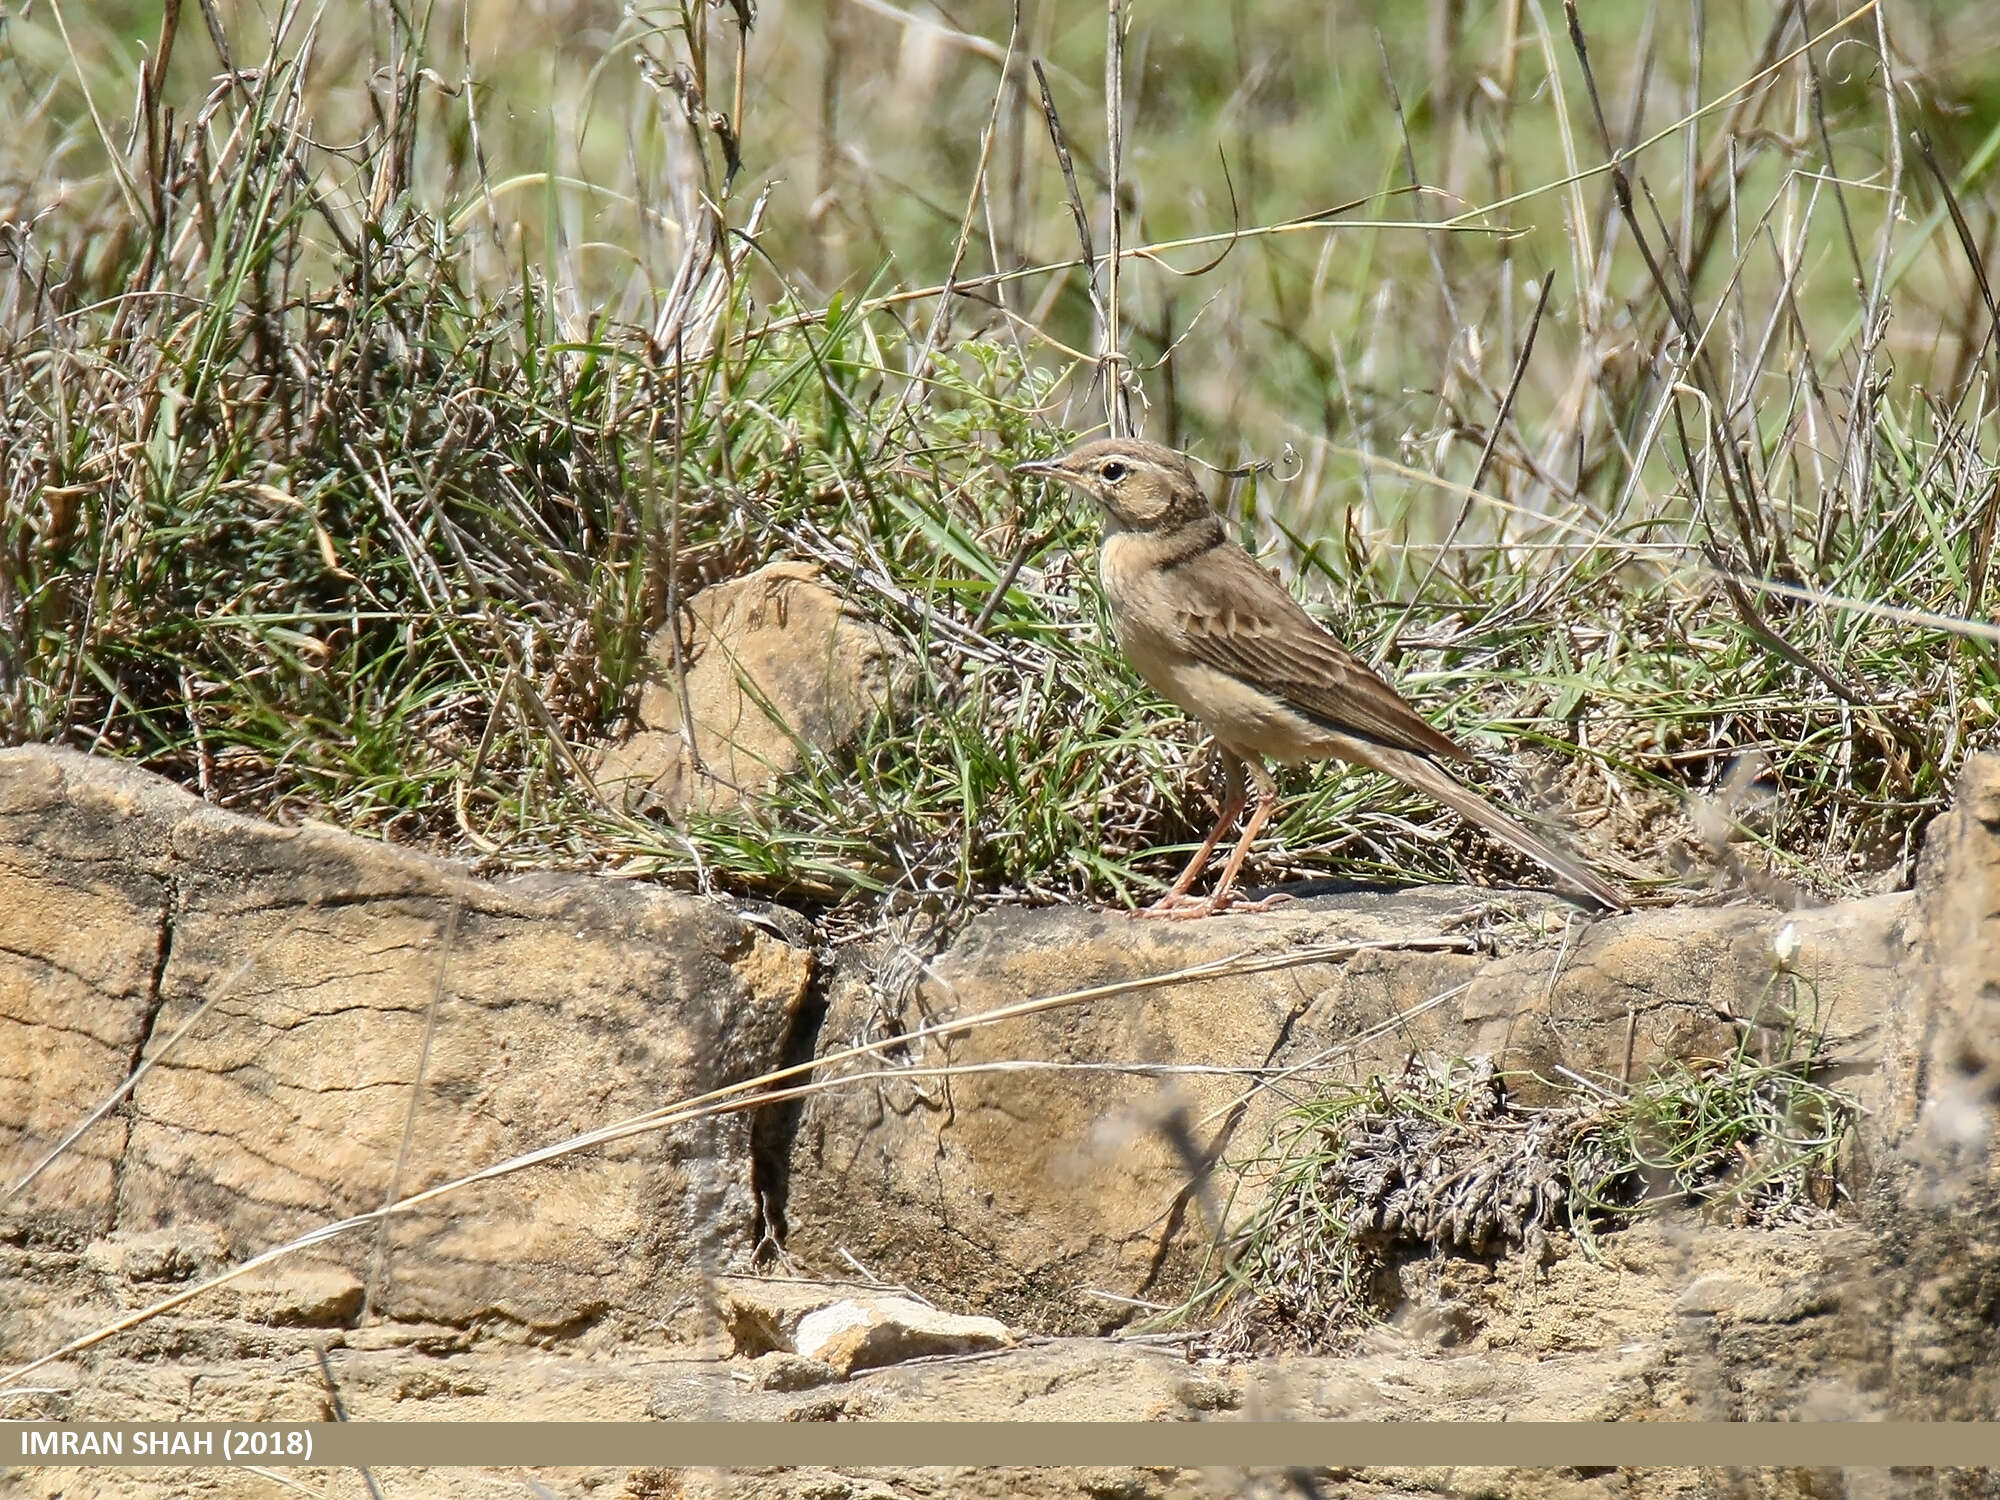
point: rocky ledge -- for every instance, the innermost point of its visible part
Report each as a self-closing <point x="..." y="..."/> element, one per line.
<point x="259" y="1032"/>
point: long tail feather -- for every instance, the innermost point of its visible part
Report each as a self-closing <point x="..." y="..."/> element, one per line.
<point x="1428" y="777"/>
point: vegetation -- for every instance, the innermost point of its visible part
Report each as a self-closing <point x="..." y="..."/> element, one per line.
<point x="374" y="380"/>
<point x="1443" y="1162"/>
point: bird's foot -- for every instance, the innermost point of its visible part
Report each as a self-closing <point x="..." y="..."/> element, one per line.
<point x="1234" y="903"/>
<point x="1188" y="908"/>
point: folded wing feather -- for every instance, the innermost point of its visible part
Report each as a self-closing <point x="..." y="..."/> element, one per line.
<point x="1238" y="619"/>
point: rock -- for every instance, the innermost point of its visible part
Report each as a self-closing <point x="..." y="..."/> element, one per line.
<point x="840" y="1326"/>
<point x="179" y="1252"/>
<point x="1583" y="1341"/>
<point x="563" y="1003"/>
<point x="762" y="1314"/>
<point x="1021" y="1187"/>
<point x="1014" y="1190"/>
<point x="294" y="1296"/>
<point x="862" y="1333"/>
<point x="1708" y="1295"/>
<point x="1953" y="1041"/>
<point x="779" y="1371"/>
<point x="778" y="667"/>
<point x="87" y="907"/>
<point x="144" y="1266"/>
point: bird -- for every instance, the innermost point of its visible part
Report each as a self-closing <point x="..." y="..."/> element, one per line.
<point x="1209" y="629"/>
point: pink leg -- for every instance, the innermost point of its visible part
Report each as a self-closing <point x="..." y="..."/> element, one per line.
<point x="1267" y="803"/>
<point x="1234" y="800"/>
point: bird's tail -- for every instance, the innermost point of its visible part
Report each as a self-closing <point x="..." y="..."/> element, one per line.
<point x="1428" y="777"/>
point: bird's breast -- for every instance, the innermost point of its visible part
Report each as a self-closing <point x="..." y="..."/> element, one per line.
<point x="1246" y="718"/>
<point x="1140" y="613"/>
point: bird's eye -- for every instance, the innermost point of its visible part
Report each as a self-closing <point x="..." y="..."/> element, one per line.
<point x="1112" y="471"/>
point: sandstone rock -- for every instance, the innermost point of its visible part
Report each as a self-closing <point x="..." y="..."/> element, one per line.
<point x="87" y="934"/>
<point x="1708" y="1295"/>
<point x="294" y="1296"/>
<point x="1568" y="1344"/>
<point x="779" y="1371"/>
<point x="860" y="1333"/>
<point x="840" y="1325"/>
<point x="333" y="970"/>
<point x="1953" y="1041"/>
<point x="761" y="1314"/>
<point x="1031" y="1186"/>
<point x="144" y="1266"/>
<point x="179" y="1252"/>
<point x="777" y="665"/>
<point x="1065" y="1165"/>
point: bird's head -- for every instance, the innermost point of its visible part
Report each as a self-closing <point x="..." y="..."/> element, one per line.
<point x="1141" y="486"/>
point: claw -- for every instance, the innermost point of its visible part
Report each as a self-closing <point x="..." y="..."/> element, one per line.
<point x="1188" y="909"/>
<point x="1275" y="899"/>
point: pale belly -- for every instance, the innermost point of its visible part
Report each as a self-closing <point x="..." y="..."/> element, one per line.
<point x="1248" y="722"/>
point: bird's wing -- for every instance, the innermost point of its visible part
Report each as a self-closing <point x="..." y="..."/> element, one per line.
<point x="1236" y="618"/>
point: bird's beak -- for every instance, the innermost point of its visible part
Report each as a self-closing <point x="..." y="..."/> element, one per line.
<point x="1039" y="466"/>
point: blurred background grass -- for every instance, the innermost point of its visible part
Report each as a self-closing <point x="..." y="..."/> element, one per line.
<point x="376" y="376"/>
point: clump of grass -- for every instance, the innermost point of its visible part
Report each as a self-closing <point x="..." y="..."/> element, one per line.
<point x="387" y="551"/>
<point x="1439" y="1161"/>
<point x="330" y="490"/>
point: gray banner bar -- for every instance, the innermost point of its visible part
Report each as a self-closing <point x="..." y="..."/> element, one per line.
<point x="1181" y="1444"/>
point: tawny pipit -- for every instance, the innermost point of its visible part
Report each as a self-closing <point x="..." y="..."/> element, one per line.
<point x="1211" y="630"/>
